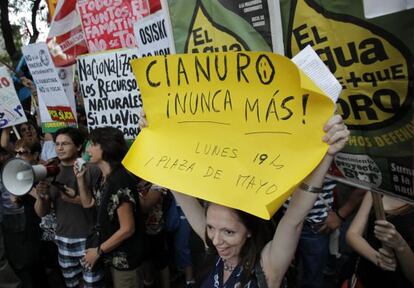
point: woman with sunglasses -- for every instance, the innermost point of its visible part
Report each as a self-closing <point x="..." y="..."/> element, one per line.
<point x="30" y="134"/>
<point x="21" y="225"/>
<point x="27" y="131"/>
<point x="8" y="277"/>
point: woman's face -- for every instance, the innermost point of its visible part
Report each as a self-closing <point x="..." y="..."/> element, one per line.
<point x="24" y="153"/>
<point x="95" y="152"/>
<point x="226" y="231"/>
<point x="28" y="132"/>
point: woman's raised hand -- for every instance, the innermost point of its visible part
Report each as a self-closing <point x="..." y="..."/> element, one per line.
<point x="142" y="122"/>
<point x="337" y="134"/>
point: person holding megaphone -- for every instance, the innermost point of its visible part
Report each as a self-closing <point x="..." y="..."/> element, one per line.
<point x="74" y="222"/>
<point x="8" y="277"/>
<point x="21" y="224"/>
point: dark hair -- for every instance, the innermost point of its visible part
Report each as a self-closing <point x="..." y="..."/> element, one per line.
<point x="112" y="143"/>
<point x="74" y="134"/>
<point x="4" y="155"/>
<point x="30" y="123"/>
<point x="261" y="233"/>
<point x="33" y="147"/>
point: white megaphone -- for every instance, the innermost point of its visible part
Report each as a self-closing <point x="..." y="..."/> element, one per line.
<point x="18" y="176"/>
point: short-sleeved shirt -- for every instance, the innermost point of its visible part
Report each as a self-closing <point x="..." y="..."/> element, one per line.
<point x="322" y="205"/>
<point x="73" y="221"/>
<point x="119" y="188"/>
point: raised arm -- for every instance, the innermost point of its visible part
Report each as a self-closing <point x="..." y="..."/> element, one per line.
<point x="278" y="253"/>
<point x="5" y="139"/>
<point x="354" y="235"/>
<point x="85" y="194"/>
<point x="192" y="209"/>
<point x="194" y="213"/>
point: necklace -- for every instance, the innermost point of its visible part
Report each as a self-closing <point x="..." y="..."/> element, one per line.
<point x="227" y="266"/>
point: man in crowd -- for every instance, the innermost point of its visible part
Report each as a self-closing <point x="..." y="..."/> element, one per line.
<point x="74" y="222"/>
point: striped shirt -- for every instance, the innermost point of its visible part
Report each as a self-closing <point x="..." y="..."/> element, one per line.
<point x="322" y="205"/>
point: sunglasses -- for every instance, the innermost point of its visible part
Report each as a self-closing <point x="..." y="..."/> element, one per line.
<point x="21" y="152"/>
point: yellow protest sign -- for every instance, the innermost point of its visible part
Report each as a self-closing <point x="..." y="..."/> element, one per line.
<point x="239" y="129"/>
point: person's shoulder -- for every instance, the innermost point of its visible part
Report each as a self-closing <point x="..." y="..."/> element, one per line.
<point x="125" y="178"/>
<point x="131" y="178"/>
<point x="93" y="174"/>
<point x="120" y="171"/>
<point x="93" y="168"/>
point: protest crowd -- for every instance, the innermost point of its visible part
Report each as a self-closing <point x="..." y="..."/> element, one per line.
<point x="88" y="197"/>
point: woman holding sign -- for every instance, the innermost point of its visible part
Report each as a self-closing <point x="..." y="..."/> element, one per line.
<point x="242" y="254"/>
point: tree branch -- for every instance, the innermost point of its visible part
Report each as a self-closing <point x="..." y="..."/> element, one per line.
<point x="35" y="34"/>
<point x="7" y="31"/>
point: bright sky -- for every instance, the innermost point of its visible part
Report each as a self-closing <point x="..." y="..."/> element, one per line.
<point x="17" y="19"/>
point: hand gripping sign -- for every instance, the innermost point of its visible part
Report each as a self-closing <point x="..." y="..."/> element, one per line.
<point x="238" y="129"/>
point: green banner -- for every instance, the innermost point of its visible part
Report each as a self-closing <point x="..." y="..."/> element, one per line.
<point x="373" y="61"/>
<point x="52" y="127"/>
<point x="223" y="25"/>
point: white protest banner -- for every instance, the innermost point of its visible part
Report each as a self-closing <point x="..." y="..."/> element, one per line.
<point x="65" y="39"/>
<point x="49" y="88"/>
<point x="313" y="67"/>
<point x="153" y="35"/>
<point x="108" y="24"/>
<point x="110" y="91"/>
<point x="66" y="78"/>
<point x="11" y="110"/>
<point x="377" y="8"/>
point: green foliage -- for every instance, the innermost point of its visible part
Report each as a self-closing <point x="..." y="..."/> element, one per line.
<point x="4" y="58"/>
<point x="17" y="37"/>
<point x="16" y="6"/>
<point x="25" y="29"/>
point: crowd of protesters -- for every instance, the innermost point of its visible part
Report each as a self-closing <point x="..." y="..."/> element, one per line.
<point x="97" y="225"/>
